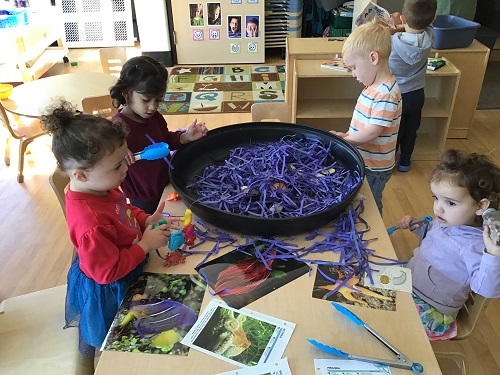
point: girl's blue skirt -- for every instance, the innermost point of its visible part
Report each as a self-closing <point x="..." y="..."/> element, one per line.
<point x="92" y="307"/>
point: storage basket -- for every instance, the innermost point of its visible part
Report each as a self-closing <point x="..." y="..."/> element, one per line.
<point x="13" y="18"/>
<point x="340" y="22"/>
<point x="333" y="32"/>
<point x="453" y="32"/>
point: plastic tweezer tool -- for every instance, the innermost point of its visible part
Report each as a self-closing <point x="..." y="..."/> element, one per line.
<point x="420" y="221"/>
<point x="401" y="362"/>
<point x="152" y="152"/>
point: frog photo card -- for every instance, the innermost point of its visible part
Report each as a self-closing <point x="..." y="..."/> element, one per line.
<point x="242" y="337"/>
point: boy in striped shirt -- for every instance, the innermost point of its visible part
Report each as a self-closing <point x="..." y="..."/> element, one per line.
<point x="375" y="121"/>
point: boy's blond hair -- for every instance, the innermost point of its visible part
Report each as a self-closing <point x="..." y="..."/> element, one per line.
<point x="367" y="38"/>
<point x="419" y="13"/>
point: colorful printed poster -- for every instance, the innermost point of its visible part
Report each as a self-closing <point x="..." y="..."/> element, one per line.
<point x="241" y="277"/>
<point x="242" y="337"/>
<point x="351" y="292"/>
<point x="156" y="313"/>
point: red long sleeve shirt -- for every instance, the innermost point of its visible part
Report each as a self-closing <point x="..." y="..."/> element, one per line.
<point x="105" y="231"/>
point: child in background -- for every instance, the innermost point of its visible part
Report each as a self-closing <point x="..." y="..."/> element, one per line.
<point x="375" y="121"/>
<point x="214" y="13"/>
<point x="452" y="259"/>
<point x="140" y="89"/>
<point x="408" y="63"/>
<point x="196" y="11"/>
<point x="252" y="28"/>
<point x="234" y="27"/>
<point x="111" y="237"/>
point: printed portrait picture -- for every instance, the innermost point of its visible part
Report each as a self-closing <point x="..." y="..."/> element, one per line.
<point x="214" y="14"/>
<point x="234" y="26"/>
<point x="196" y="14"/>
<point x="252" y="26"/>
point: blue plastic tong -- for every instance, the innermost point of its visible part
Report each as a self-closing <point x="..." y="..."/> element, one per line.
<point x="402" y="361"/>
<point x="152" y="152"/>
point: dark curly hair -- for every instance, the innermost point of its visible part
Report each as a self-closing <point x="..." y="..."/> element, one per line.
<point x="80" y="140"/>
<point x="142" y="74"/>
<point x="474" y="172"/>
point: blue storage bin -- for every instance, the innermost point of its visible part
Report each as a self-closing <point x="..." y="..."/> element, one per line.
<point x="453" y="32"/>
<point x="13" y="18"/>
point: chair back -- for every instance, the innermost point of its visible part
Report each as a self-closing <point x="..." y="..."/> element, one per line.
<point x="270" y="111"/>
<point x="6" y="122"/>
<point x="24" y="129"/>
<point x="112" y="59"/>
<point x="100" y="105"/>
<point x="59" y="181"/>
<point x="469" y="315"/>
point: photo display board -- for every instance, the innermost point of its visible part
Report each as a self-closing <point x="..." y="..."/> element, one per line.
<point x="219" y="32"/>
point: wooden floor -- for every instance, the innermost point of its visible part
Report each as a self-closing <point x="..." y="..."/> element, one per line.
<point x="35" y="249"/>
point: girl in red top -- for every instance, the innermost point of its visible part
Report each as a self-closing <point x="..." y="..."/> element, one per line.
<point x="139" y="91"/>
<point x="112" y="238"/>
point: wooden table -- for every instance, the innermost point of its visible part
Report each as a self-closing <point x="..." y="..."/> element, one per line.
<point x="314" y="318"/>
<point x="30" y="99"/>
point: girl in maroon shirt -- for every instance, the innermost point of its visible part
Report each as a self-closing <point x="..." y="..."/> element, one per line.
<point x="139" y="91"/>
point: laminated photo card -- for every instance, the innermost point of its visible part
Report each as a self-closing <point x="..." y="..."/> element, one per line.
<point x="242" y="337"/>
<point x="279" y="367"/>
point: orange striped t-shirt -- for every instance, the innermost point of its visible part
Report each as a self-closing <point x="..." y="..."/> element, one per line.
<point x="379" y="106"/>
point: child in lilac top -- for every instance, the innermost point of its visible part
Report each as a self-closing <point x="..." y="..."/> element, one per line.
<point x="456" y="256"/>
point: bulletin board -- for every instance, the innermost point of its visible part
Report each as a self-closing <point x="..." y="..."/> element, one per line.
<point x="219" y="32"/>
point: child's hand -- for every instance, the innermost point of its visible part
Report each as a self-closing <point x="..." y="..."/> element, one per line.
<point x="491" y="248"/>
<point x="396" y="18"/>
<point x="172" y="222"/>
<point x="397" y="24"/>
<point x="194" y="132"/>
<point x="129" y="158"/>
<point x="154" y="238"/>
<point x="404" y="223"/>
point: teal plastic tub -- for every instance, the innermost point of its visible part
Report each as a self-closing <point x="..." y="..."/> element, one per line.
<point x="453" y="32"/>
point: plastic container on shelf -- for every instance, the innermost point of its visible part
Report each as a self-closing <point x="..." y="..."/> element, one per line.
<point x="340" y="22"/>
<point x="10" y="18"/>
<point x="333" y="32"/>
<point x="453" y="32"/>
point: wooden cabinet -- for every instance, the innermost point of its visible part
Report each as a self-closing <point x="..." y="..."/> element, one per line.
<point x="325" y="98"/>
<point x="472" y="62"/>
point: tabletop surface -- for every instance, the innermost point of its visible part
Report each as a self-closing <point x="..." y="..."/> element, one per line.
<point x="31" y="98"/>
<point x="314" y="318"/>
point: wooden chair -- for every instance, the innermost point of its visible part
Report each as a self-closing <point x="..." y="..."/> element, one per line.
<point x="270" y="111"/>
<point x="100" y="105"/>
<point x="24" y="129"/>
<point x="112" y="59"/>
<point x="31" y="326"/>
<point x="59" y="181"/>
<point x="467" y="319"/>
<point x="33" y="339"/>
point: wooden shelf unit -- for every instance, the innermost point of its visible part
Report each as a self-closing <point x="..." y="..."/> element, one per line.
<point x="325" y="98"/>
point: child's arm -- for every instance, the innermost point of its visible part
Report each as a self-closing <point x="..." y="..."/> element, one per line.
<point x="366" y="135"/>
<point x="194" y="132"/>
